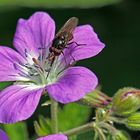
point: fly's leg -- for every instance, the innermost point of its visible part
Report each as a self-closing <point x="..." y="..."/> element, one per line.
<point x="50" y="58"/>
<point x="74" y="48"/>
<point x="52" y="61"/>
<point x="64" y="58"/>
<point x="73" y="58"/>
<point x="67" y="65"/>
<point x="76" y="43"/>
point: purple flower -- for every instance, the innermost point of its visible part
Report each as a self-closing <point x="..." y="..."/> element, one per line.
<point x="3" y="135"/>
<point x="54" y="137"/>
<point x="28" y="67"/>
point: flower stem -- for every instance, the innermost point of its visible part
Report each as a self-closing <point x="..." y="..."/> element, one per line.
<point x="110" y="128"/>
<point x="118" y="120"/>
<point x="54" y="110"/>
<point x="80" y="129"/>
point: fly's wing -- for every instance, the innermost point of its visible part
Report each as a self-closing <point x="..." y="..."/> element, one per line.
<point x="68" y="27"/>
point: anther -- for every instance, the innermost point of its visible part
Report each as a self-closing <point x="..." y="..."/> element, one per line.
<point x="47" y="70"/>
<point x="23" y="74"/>
<point x="41" y="48"/>
<point x="15" y="66"/>
<point x="35" y="61"/>
<point x="26" y="53"/>
<point x="27" y="66"/>
<point x="33" y="74"/>
<point x="39" y="58"/>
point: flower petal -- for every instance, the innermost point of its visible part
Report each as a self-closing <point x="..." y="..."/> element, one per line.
<point x="9" y="57"/>
<point x="18" y="102"/>
<point x="54" y="137"/>
<point x="89" y="45"/>
<point x="34" y="33"/>
<point x="3" y="135"/>
<point x="73" y="85"/>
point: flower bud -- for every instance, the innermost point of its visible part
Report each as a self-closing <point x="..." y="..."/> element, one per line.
<point x="121" y="135"/>
<point x="96" y="99"/>
<point x="133" y="121"/>
<point x="126" y="101"/>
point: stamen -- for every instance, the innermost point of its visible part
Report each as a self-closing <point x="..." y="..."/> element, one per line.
<point x="37" y="65"/>
<point x="42" y="51"/>
<point x="27" y="66"/>
<point x="20" y="66"/>
<point x="35" y="61"/>
<point x="37" y="69"/>
<point x="26" y="53"/>
<point x="15" y="67"/>
<point x="48" y="70"/>
<point x="47" y="75"/>
<point x="13" y="75"/>
<point x="33" y="74"/>
<point x="39" y="58"/>
<point x="41" y="48"/>
<point x="36" y="74"/>
<point x="23" y="74"/>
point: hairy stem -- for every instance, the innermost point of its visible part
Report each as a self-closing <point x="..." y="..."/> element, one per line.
<point x="100" y="134"/>
<point x="110" y="128"/>
<point x="54" y="110"/>
<point x="80" y="129"/>
<point x="117" y="120"/>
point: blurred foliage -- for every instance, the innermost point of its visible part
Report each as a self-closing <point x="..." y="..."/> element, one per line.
<point x="58" y="3"/>
<point x="86" y="136"/>
<point x="16" y="131"/>
<point x="69" y="116"/>
<point x="43" y="126"/>
<point x="72" y="115"/>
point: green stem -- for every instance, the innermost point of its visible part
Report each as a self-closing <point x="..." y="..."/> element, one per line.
<point x="100" y="134"/>
<point x="95" y="135"/>
<point x="54" y="110"/>
<point x="117" y="120"/>
<point x="110" y="128"/>
<point x="80" y="129"/>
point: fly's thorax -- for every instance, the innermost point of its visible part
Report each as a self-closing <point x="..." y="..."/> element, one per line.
<point x="60" y="42"/>
<point x="54" y="51"/>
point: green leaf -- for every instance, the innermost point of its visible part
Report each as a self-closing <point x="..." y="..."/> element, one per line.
<point x="44" y="124"/>
<point x="38" y="129"/>
<point x="43" y="127"/>
<point x="73" y="138"/>
<point x="16" y="131"/>
<point x="72" y="115"/>
<point x="69" y="116"/>
<point x="86" y="136"/>
<point x="4" y="84"/>
<point x="58" y="3"/>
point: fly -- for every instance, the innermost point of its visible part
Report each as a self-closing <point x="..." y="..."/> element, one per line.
<point x="62" y="39"/>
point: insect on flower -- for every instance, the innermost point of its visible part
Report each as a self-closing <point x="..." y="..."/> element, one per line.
<point x="62" y="39"/>
<point x="27" y="66"/>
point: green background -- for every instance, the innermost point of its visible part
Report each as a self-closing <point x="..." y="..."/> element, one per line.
<point x="116" y="22"/>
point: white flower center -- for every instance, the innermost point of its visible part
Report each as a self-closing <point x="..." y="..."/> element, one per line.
<point x="38" y="70"/>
